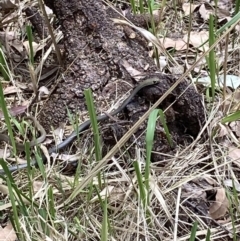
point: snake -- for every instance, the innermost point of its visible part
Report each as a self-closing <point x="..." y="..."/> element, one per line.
<point x="82" y="127"/>
<point x="21" y="147"/>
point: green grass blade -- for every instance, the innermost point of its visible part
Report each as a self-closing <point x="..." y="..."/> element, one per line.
<point x="237" y="7"/>
<point x="140" y="183"/>
<point x="44" y="220"/>
<point x="232" y="117"/>
<point x="90" y="191"/>
<point x="193" y="231"/>
<point x="165" y="127"/>
<point x="40" y="164"/>
<point x="235" y="194"/>
<point x="18" y="193"/>
<point x="29" y="170"/>
<point x="74" y="122"/>
<point x="232" y="215"/>
<point x="234" y="20"/>
<point x="151" y="126"/>
<point x="3" y="66"/>
<point x="212" y="57"/>
<point x="106" y="223"/>
<point x="228" y="24"/>
<point x="93" y="119"/>
<point x="51" y="204"/>
<point x="154" y="30"/>
<point x="16" y="197"/>
<point x="7" y="119"/>
<point x="133" y="5"/>
<point x="141" y="8"/>
<point x="14" y="210"/>
<point x="19" y="125"/>
<point x="208" y="236"/>
<point x="104" y="230"/>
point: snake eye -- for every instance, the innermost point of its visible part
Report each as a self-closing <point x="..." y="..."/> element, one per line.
<point x="155" y="81"/>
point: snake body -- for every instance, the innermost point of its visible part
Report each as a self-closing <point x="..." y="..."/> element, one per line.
<point x="34" y="142"/>
<point x="85" y="125"/>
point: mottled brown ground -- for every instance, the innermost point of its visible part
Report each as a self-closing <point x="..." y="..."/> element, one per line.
<point x="95" y="52"/>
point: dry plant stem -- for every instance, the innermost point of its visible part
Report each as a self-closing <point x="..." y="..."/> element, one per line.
<point x="162" y="9"/>
<point x="33" y="78"/>
<point x="59" y="57"/>
<point x="8" y="48"/>
<point x="126" y="137"/>
<point x="189" y="29"/>
<point x="177" y="212"/>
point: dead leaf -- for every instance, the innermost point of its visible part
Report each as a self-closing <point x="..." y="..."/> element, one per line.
<point x="206" y="181"/>
<point x="224" y="7"/>
<point x="234" y="153"/>
<point x="229" y="183"/>
<point x="20" y="85"/>
<point x="12" y="40"/>
<point x="18" y="160"/>
<point x="237" y="28"/>
<point x="18" y="45"/>
<point x="222" y="130"/>
<point x="145" y="33"/>
<point x="178" y="44"/>
<point x="15" y="110"/>
<point x="189" y="8"/>
<point x="4" y="190"/>
<point x="8" y="233"/>
<point x="7" y="4"/>
<point x="177" y="70"/>
<point x="48" y="10"/>
<point x="197" y="39"/>
<point x="205" y="12"/>
<point x="70" y="158"/>
<point x="11" y="90"/>
<point x="133" y="72"/>
<point x="117" y="196"/>
<point x="223" y="14"/>
<point x="7" y="36"/>
<point x="155" y="189"/>
<point x="39" y="189"/>
<point x="37" y="186"/>
<point x="4" y="153"/>
<point x="235" y="127"/>
<point x="232" y="102"/>
<point x="192" y="190"/>
<point x="162" y="62"/>
<point x="43" y="90"/>
<point x="58" y="133"/>
<point x="35" y="46"/>
<point x="198" y="186"/>
<point x="220" y="206"/>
